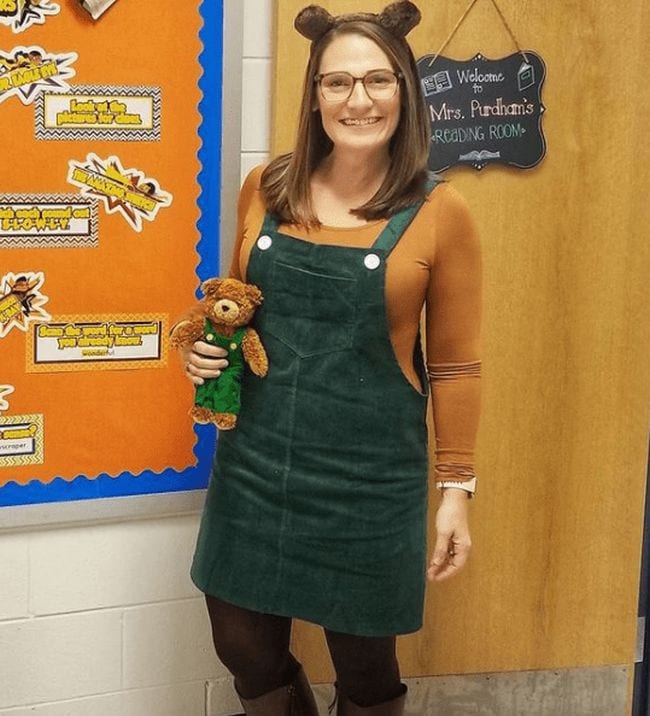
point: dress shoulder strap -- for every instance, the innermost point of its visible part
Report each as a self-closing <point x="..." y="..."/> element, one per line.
<point x="399" y="222"/>
<point x="270" y="224"/>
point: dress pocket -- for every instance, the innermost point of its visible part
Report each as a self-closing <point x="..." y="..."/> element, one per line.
<point x="310" y="312"/>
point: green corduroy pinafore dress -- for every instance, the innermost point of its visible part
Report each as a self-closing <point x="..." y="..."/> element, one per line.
<point x="317" y="504"/>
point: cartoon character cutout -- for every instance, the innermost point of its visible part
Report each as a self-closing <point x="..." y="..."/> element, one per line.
<point x="129" y="192"/>
<point x="22" y="14"/>
<point x="27" y="71"/>
<point x="21" y="301"/>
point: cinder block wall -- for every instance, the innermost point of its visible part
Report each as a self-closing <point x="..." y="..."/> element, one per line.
<point x="102" y="620"/>
<point x="256" y="80"/>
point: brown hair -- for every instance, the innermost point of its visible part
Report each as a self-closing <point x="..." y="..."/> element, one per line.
<point x="285" y="181"/>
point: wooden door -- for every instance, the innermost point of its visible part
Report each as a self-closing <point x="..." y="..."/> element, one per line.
<point x="553" y="576"/>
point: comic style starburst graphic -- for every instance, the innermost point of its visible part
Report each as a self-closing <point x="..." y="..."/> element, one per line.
<point x="27" y="71"/>
<point x="125" y="191"/>
<point x="21" y="301"/>
<point x="5" y="390"/>
<point x="28" y="13"/>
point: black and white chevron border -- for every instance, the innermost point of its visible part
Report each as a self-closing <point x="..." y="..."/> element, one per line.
<point x="18" y="240"/>
<point x="95" y="133"/>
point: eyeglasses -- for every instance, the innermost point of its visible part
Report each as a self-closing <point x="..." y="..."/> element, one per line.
<point x="338" y="86"/>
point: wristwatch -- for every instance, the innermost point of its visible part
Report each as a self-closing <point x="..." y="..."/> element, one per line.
<point x="467" y="485"/>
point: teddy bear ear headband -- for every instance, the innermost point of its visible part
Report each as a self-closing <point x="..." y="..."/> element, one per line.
<point x="399" y="18"/>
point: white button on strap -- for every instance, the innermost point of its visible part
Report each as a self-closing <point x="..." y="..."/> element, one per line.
<point x="264" y="242"/>
<point x="372" y="261"/>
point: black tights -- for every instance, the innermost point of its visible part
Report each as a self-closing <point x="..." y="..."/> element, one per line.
<point x="254" y="647"/>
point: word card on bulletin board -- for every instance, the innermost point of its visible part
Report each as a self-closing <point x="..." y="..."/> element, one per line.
<point x="106" y="230"/>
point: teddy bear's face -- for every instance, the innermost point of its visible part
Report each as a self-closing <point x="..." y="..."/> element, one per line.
<point x="230" y="302"/>
<point x="227" y="311"/>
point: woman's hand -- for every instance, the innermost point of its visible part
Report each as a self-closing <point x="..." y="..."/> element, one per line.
<point x="203" y="360"/>
<point x="453" y="542"/>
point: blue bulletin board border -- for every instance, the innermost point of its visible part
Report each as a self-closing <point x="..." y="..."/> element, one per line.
<point x="194" y="477"/>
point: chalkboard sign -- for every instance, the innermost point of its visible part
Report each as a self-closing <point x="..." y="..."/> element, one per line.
<point x="484" y="111"/>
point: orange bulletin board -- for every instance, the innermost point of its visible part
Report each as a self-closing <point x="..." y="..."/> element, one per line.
<point x="100" y="250"/>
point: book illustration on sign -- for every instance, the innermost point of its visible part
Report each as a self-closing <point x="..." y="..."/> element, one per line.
<point x="525" y="76"/>
<point x="484" y="111"/>
<point x="437" y="83"/>
<point x="477" y="157"/>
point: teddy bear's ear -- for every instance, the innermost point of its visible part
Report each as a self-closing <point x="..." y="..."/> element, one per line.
<point x="313" y="22"/>
<point x="254" y="294"/>
<point x="211" y="286"/>
<point x="399" y="18"/>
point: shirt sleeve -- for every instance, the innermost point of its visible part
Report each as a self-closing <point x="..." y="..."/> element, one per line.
<point x="453" y="317"/>
<point x="245" y="204"/>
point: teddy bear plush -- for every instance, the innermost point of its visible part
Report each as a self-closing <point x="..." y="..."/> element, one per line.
<point x="221" y="318"/>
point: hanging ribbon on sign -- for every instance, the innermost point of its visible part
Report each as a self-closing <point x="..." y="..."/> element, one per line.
<point x="484" y="111"/>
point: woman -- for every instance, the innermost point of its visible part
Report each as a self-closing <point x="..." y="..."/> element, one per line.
<point x="317" y="507"/>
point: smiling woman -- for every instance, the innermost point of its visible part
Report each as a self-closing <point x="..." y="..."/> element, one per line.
<point x="317" y="505"/>
<point x="355" y="47"/>
<point x="356" y="122"/>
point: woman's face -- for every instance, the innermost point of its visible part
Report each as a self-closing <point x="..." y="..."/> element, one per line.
<point x="358" y="123"/>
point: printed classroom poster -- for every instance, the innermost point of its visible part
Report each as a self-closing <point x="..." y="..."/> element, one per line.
<point x="98" y="243"/>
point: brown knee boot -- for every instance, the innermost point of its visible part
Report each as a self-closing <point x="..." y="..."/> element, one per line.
<point x="293" y="699"/>
<point x="394" y="707"/>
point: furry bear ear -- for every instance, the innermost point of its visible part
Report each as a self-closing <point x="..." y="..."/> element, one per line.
<point x="254" y="294"/>
<point x="399" y="18"/>
<point x="211" y="286"/>
<point x="313" y="22"/>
